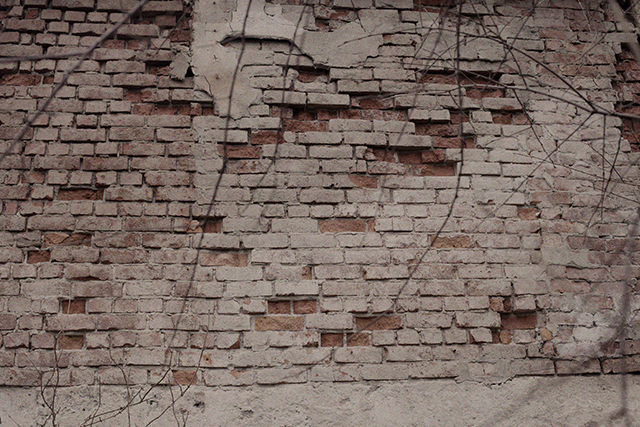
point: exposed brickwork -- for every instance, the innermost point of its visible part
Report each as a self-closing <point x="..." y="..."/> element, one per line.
<point x="119" y="246"/>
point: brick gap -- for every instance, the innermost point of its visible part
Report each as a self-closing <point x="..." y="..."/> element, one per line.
<point x="358" y="339"/>
<point x="73" y="239"/>
<point x="38" y="256"/>
<point x="279" y="307"/>
<point x="79" y="193"/>
<point x="211" y="224"/>
<point x="331" y="339"/>
<point x="74" y="306"/>
<point x="70" y="342"/>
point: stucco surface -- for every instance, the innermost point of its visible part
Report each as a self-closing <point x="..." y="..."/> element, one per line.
<point x="533" y="401"/>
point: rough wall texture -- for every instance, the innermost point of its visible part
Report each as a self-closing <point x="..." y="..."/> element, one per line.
<point x="321" y="223"/>
<point x="524" y="401"/>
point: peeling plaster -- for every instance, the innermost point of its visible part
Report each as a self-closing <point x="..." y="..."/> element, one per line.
<point x="215" y="58"/>
<point x="526" y="402"/>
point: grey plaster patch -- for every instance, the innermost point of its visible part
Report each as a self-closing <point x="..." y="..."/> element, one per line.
<point x="179" y="67"/>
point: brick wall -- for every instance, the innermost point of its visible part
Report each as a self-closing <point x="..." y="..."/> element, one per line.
<point x="329" y="228"/>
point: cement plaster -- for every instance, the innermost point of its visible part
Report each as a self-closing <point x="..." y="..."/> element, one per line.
<point x="532" y="401"/>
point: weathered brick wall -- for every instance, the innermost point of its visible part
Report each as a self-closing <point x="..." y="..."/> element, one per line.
<point x="147" y="237"/>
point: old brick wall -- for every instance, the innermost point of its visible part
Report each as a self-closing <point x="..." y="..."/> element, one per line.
<point x="329" y="228"/>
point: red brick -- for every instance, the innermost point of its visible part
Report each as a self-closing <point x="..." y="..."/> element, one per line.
<point x="439" y="142"/>
<point x="70" y="342"/>
<point x="435" y="170"/>
<point x="35" y="257"/>
<point x="52" y="239"/>
<point x="165" y="21"/>
<point x="279" y="307"/>
<point x="331" y="340"/>
<point x="309" y="77"/>
<point x="211" y="225"/>
<point x="304" y="126"/>
<point x="410" y="158"/>
<point x="154" y="95"/>
<point x="266" y="137"/>
<point x="433" y="156"/>
<point x="79" y="194"/>
<point x="7" y="321"/>
<point x="73" y="306"/>
<point x="528" y="214"/>
<point x="358" y="339"/>
<point x="378" y="323"/>
<point x="512" y="321"/>
<point x="21" y="80"/>
<point x="236" y="259"/>
<point x="144" y="109"/>
<point x="279" y="323"/>
<point x="304" y="307"/>
<point x="342" y="225"/>
<point x="181" y="36"/>
<point x="364" y="181"/>
<point x="184" y="376"/>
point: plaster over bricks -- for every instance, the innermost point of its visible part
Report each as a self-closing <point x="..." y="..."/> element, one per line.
<point x="370" y="202"/>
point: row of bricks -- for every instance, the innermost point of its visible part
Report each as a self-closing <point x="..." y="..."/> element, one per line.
<point x="97" y="107"/>
<point x="255" y="223"/>
<point x="151" y="7"/>
<point x="523" y="306"/>
<point x="69" y="104"/>
<point x="309" y="321"/>
<point x="300" y="254"/>
<point x="89" y="185"/>
<point x="299" y="229"/>
<point x="319" y="373"/>
<point x="152" y="311"/>
<point x="397" y="217"/>
<point x="262" y="340"/>
<point x="74" y="24"/>
<point x="140" y="279"/>
<point x="422" y="163"/>
<point x="273" y="357"/>
<point x="255" y="273"/>
<point x="20" y="13"/>
<point x="243" y="358"/>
